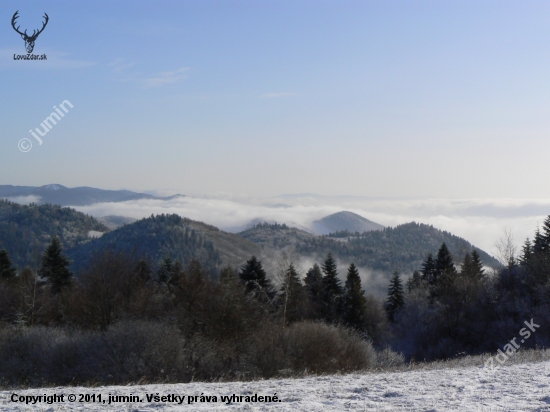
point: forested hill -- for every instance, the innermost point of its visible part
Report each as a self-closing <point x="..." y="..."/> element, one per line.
<point x="26" y="230"/>
<point x="170" y="235"/>
<point x="404" y="247"/>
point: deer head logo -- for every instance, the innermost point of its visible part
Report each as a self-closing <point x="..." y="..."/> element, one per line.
<point x="29" y="40"/>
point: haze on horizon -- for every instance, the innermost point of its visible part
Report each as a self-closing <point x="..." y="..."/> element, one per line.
<point x="378" y="99"/>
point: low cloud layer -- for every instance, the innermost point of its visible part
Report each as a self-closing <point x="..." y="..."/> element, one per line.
<point x="24" y="200"/>
<point x="480" y="221"/>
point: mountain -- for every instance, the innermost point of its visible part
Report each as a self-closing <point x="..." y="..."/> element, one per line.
<point x="340" y="221"/>
<point x="162" y="235"/>
<point x="25" y="231"/>
<point x="402" y="248"/>
<point x="64" y="196"/>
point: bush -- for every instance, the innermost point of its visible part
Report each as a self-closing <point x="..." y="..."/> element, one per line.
<point x="307" y="346"/>
<point x="321" y="348"/>
<point x="388" y="359"/>
<point x="127" y="352"/>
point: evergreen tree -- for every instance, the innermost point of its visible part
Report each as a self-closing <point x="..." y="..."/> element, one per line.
<point x="354" y="300"/>
<point x="546" y="234"/>
<point x="429" y="270"/>
<point x="315" y="290"/>
<point x="176" y="273"/>
<point x="444" y="286"/>
<point x="292" y="296"/>
<point x="466" y="269"/>
<point x="444" y="262"/>
<point x="255" y="279"/>
<point x="164" y="274"/>
<point x="7" y="270"/>
<point x="477" y="266"/>
<point x="527" y="254"/>
<point x="55" y="267"/>
<point x="539" y="244"/>
<point x="396" y="299"/>
<point x="332" y="285"/>
<point x="332" y="289"/>
<point x="472" y="268"/>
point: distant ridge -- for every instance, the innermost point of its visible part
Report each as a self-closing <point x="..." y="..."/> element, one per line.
<point x="78" y="196"/>
<point x="344" y="221"/>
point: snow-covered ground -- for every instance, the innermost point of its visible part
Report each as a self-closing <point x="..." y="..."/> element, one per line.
<point x="523" y="387"/>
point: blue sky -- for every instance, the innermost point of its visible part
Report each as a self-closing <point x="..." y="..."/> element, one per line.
<point x="367" y="98"/>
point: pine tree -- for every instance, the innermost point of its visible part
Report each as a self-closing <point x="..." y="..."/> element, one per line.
<point x="539" y="244"/>
<point x="255" y="279"/>
<point x="164" y="274"/>
<point x="472" y="268"/>
<point x="446" y="275"/>
<point x="332" y="289"/>
<point x="396" y="299"/>
<point x="527" y="254"/>
<point x="315" y="290"/>
<point x="176" y="273"/>
<point x="332" y="285"/>
<point x="546" y="234"/>
<point x="292" y="296"/>
<point x="444" y="262"/>
<point x="429" y="270"/>
<point x="466" y="269"/>
<point x="7" y="270"/>
<point x="477" y="266"/>
<point x="354" y="300"/>
<point x="55" y="267"/>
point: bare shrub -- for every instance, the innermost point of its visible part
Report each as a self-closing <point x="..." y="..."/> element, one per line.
<point x="142" y="350"/>
<point x="207" y="360"/>
<point x="268" y="351"/>
<point x="388" y="358"/>
<point x="322" y="348"/>
<point x="125" y="353"/>
<point x="376" y="321"/>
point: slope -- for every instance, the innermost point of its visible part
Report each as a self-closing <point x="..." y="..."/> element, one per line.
<point x="170" y="235"/>
<point x="26" y="230"/>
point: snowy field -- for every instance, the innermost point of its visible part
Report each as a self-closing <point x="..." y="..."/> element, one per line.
<point x="523" y="387"/>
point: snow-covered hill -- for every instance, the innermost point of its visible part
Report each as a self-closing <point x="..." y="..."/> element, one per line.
<point x="522" y="387"/>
